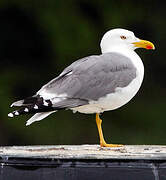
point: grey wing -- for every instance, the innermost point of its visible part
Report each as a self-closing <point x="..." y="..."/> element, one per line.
<point x="90" y="78"/>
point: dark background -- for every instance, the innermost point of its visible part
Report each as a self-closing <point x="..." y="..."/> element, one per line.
<point x="38" y="39"/>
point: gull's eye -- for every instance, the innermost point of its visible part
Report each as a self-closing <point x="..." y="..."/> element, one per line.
<point x="123" y="37"/>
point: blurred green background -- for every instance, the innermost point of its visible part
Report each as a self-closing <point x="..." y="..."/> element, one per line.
<point x="38" y="39"/>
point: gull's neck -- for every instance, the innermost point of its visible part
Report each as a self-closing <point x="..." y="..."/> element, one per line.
<point x="126" y="51"/>
<point x="119" y="49"/>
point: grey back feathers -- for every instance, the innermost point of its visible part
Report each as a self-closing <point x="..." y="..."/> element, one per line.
<point x="92" y="77"/>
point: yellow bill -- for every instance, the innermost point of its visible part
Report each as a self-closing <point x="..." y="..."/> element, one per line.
<point x="144" y="44"/>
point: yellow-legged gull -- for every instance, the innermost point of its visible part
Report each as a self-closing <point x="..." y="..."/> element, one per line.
<point x="93" y="84"/>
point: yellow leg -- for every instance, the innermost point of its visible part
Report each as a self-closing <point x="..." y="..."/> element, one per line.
<point x="102" y="141"/>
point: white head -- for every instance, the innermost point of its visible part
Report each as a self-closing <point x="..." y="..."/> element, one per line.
<point x="122" y="39"/>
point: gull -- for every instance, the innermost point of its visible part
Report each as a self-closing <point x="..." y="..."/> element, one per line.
<point x="92" y="84"/>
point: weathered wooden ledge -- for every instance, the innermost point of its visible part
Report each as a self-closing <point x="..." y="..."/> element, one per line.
<point x="83" y="162"/>
<point x="147" y="152"/>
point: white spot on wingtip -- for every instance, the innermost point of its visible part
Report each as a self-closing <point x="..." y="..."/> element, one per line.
<point x="26" y="110"/>
<point x="45" y="103"/>
<point x="36" y="107"/>
<point x="16" y="113"/>
<point x="10" y="115"/>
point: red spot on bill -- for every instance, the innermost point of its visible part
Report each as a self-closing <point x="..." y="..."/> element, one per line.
<point x="149" y="47"/>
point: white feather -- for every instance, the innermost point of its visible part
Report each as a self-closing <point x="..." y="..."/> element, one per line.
<point x="26" y="110"/>
<point x="17" y="103"/>
<point x="16" y="113"/>
<point x="38" y="117"/>
<point x="10" y="115"/>
<point x="36" y="107"/>
<point x="45" y="103"/>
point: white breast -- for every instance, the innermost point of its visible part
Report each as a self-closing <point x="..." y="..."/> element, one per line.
<point x="121" y="96"/>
